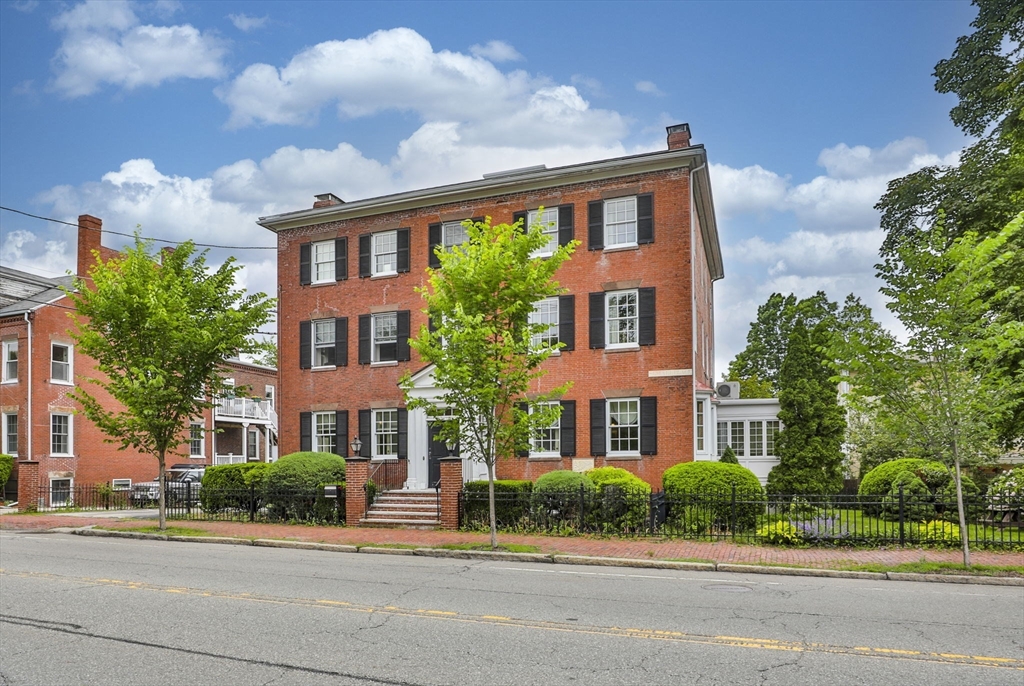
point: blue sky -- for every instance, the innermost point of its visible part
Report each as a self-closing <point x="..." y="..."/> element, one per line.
<point x="192" y="119"/>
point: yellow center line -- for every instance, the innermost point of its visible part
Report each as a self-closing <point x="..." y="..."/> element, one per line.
<point x="496" y="620"/>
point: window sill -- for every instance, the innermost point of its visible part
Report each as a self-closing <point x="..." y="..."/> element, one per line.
<point x="386" y="363"/>
<point x="318" y="284"/>
<point x="624" y="349"/>
<point x="388" y="275"/>
<point x="545" y="458"/>
<point x="624" y="456"/>
<point x="323" y="369"/>
<point x="384" y="458"/>
<point x="61" y="383"/>
<point x="622" y="248"/>
<point x="62" y="455"/>
<point x="7" y="381"/>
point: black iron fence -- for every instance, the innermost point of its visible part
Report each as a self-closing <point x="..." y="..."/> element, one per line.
<point x="899" y="519"/>
<point x="61" y="495"/>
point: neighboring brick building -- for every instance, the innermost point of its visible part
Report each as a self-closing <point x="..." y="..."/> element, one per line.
<point x="636" y="317"/>
<point x="41" y="366"/>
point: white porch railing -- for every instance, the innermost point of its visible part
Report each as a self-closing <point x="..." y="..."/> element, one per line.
<point x="245" y="408"/>
<point x="228" y="459"/>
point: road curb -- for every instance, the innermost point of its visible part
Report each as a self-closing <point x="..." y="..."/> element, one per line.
<point x="225" y="540"/>
<point x="386" y="551"/>
<point x="305" y="545"/>
<point x="630" y="562"/>
<point x="956" y="579"/>
<point x="498" y="555"/>
<point x="119" y="534"/>
<point x="801" y="571"/>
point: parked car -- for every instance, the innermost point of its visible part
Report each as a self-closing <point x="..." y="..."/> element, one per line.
<point x="183" y="484"/>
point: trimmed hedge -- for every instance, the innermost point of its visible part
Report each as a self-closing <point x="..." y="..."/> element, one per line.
<point x="302" y="472"/>
<point x="625" y="498"/>
<point x="230" y="485"/>
<point x="707" y="486"/>
<point x="878" y="482"/>
<point x="562" y="480"/>
<point x="511" y="502"/>
<point x="6" y="467"/>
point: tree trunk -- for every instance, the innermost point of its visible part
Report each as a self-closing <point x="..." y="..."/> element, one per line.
<point x="163" y="497"/>
<point x="490" y="499"/>
<point x="964" y="535"/>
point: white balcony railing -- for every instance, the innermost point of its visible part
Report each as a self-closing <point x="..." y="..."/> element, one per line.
<point x="228" y="459"/>
<point x="245" y="408"/>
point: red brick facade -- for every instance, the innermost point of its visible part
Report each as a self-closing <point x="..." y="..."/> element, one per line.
<point x="680" y="275"/>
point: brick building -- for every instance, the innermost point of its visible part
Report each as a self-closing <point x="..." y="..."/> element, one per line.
<point x="636" y="315"/>
<point x="40" y="367"/>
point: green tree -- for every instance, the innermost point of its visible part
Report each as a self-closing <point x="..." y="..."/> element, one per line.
<point x="480" y="300"/>
<point x="265" y="353"/>
<point x="158" y="326"/>
<point x="810" y="443"/>
<point x="946" y="390"/>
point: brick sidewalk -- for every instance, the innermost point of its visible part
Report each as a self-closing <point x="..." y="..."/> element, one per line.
<point x="644" y="548"/>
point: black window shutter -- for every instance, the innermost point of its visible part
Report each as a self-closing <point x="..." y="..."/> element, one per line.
<point x="595" y="224"/>
<point x="341" y="433"/>
<point x="365" y="417"/>
<point x="402" y="337"/>
<point x="566" y="218"/>
<point x="646" y="312"/>
<point x="364" y="255"/>
<point x="364" y="339"/>
<point x="567" y="426"/>
<point x="305" y="345"/>
<point x="645" y="218"/>
<point x="525" y="451"/>
<point x="597" y="320"/>
<point x="433" y="240"/>
<point x="649" y="426"/>
<point x="567" y="321"/>
<point x="305" y="431"/>
<point x="403" y="250"/>
<point x="340" y="259"/>
<point x="341" y="341"/>
<point x="431" y="324"/>
<point x="598" y="439"/>
<point x="305" y="261"/>
<point x="403" y="434"/>
<point x="516" y="216"/>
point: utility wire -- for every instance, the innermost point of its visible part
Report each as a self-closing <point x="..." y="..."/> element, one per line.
<point x="131" y="235"/>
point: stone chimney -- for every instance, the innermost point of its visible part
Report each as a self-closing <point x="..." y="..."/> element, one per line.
<point x="90" y="232"/>
<point x="326" y="200"/>
<point x="678" y="136"/>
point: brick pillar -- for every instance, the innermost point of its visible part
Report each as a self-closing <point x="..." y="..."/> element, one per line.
<point x="357" y="473"/>
<point x="451" y="487"/>
<point x="89" y="239"/>
<point x="28" y="485"/>
<point x="678" y="136"/>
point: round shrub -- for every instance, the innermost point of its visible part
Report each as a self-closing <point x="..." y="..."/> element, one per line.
<point x="625" y="498"/>
<point x="562" y="480"/>
<point x="564" y="498"/>
<point x="511" y="503"/>
<point x="708" y="486"/>
<point x="6" y="467"/>
<point x="232" y="485"/>
<point x="304" y="470"/>
<point x="918" y="504"/>
<point x="878" y="482"/>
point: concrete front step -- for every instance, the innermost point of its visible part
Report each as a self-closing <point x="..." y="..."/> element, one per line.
<point x="402" y="514"/>
<point x="398" y="523"/>
<point x="390" y="505"/>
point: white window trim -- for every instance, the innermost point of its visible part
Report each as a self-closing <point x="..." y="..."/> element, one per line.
<point x="4" y="348"/>
<point x="316" y="436"/>
<point x="700" y="431"/>
<point x="202" y="442"/>
<point x="445" y="226"/>
<point x="608" y="245"/>
<point x="312" y="343"/>
<point x="250" y="433"/>
<point x="373" y="435"/>
<point x="71" y="364"/>
<point x="6" y="433"/>
<point x="373" y="254"/>
<point x="608" y="428"/>
<point x="635" y="345"/>
<point x="313" y="263"/>
<point x="71" y="434"/>
<point x="70" y="502"/>
<point x="557" y="426"/>
<point x="531" y="218"/>
<point x="121" y="486"/>
<point x="373" y="340"/>
<point x="270" y="392"/>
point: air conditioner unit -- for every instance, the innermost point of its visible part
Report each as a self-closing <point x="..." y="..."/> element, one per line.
<point x="728" y="390"/>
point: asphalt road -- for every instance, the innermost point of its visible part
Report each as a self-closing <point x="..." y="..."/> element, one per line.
<point x="79" y="610"/>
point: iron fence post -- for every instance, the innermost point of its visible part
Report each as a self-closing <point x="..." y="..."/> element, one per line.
<point x="582" y="506"/>
<point x="188" y="498"/>
<point x="732" y="513"/>
<point x="252" y="502"/>
<point x="902" y="532"/>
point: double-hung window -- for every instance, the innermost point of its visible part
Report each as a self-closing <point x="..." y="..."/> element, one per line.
<point x="325" y="432"/>
<point x="545" y="313"/>
<point x="195" y="440"/>
<point x="723" y="437"/>
<point x="323" y="262"/>
<point x="549" y="220"/>
<point x="773" y="427"/>
<point x="453" y="233"/>
<point x="269" y="394"/>
<point x="737" y="437"/>
<point x="756" y="438"/>
<point x="620" y="222"/>
<point x="385" y="337"/>
<point x="621" y="320"/>
<point x="10" y="436"/>
<point x="60" y="492"/>
<point x="10" y="360"/>
<point x="385" y="434"/>
<point x="60" y="363"/>
<point x="323" y="343"/>
<point x="700" y="426"/>
<point x="546" y="441"/>
<point x="60" y="434"/>
<point x="624" y="426"/>
<point x="385" y="253"/>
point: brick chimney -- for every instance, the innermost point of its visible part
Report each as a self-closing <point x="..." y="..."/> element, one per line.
<point x="678" y="136"/>
<point x="326" y="200"/>
<point x="90" y="231"/>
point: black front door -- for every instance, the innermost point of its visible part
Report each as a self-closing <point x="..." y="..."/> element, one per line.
<point x="436" y="449"/>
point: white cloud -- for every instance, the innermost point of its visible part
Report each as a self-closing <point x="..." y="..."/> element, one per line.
<point x="496" y="51"/>
<point x="104" y="43"/>
<point x="24" y="250"/>
<point x="398" y="69"/>
<point x="751" y="189"/>
<point x="246" y="23"/>
<point x="165" y="9"/>
<point x="588" y="84"/>
<point x="26" y="6"/>
<point x="648" y="88"/>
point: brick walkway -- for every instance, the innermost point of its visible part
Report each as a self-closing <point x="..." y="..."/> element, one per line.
<point x="606" y="547"/>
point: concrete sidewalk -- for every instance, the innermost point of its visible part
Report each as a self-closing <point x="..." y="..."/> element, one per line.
<point x="638" y="548"/>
